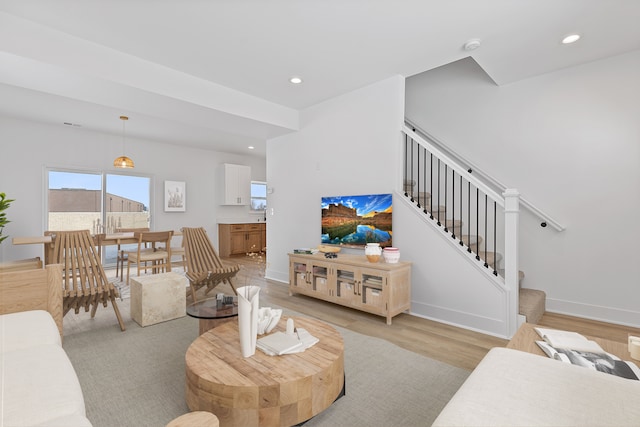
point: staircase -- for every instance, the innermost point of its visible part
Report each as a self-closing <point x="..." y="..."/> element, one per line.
<point x="469" y="211"/>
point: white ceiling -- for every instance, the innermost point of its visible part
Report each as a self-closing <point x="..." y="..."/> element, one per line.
<point x="214" y="74"/>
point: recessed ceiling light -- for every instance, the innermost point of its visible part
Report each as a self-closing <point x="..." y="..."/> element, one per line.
<point x="571" y="39"/>
<point x="295" y="80"/>
<point x="251" y="147"/>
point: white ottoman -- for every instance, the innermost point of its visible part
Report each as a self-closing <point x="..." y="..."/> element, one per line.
<point x="157" y="298"/>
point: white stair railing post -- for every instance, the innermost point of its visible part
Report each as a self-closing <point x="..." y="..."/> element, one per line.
<point x="511" y="267"/>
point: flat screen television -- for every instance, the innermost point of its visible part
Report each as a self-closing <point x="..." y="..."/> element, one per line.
<point x="354" y="221"/>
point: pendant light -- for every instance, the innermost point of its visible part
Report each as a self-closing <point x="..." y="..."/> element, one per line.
<point x="123" y="161"/>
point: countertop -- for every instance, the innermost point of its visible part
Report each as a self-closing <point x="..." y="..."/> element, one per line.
<point x="241" y="221"/>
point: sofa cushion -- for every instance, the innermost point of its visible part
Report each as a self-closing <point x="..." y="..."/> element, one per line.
<point x="27" y="329"/>
<point x="39" y="385"/>
<point x="514" y="388"/>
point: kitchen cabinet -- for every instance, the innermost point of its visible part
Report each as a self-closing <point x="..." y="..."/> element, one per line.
<point x="241" y="238"/>
<point x="352" y="281"/>
<point x="236" y="184"/>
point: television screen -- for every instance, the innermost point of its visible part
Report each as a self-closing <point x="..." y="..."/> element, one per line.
<point x="357" y="220"/>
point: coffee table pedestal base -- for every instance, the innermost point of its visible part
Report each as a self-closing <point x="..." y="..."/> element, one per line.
<point x="266" y="390"/>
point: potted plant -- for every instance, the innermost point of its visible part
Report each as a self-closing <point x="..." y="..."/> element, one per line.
<point x="4" y="204"/>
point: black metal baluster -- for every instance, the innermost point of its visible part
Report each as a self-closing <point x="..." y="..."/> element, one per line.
<point x="485" y="233"/>
<point x="446" y="190"/>
<point x="418" y="180"/>
<point x="406" y="170"/>
<point x="411" y="181"/>
<point x="453" y="204"/>
<point x="424" y="176"/>
<point x="469" y="215"/>
<point x="461" y="223"/>
<point x="478" y="223"/>
<point x="438" y="206"/>
<point x="495" y="226"/>
<point x="431" y="184"/>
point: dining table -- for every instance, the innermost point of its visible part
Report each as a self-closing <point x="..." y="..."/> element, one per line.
<point x="109" y="239"/>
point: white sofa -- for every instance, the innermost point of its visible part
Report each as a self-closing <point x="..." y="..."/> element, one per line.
<point x="39" y="385"/>
<point x="514" y="388"/>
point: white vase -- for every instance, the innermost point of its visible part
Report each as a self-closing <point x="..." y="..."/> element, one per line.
<point x="248" y="303"/>
<point x="373" y="251"/>
<point x="391" y="255"/>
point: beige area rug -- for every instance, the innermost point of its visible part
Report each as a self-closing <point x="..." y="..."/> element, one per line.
<point x="137" y="377"/>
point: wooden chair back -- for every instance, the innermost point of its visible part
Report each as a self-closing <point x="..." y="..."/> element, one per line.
<point x="122" y="257"/>
<point x="85" y="283"/>
<point x="204" y="266"/>
<point x="154" y="247"/>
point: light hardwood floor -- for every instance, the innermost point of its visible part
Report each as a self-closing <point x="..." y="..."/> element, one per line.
<point x="450" y="344"/>
<point x="455" y="346"/>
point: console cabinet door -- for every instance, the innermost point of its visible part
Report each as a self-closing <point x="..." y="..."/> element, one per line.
<point x="299" y="275"/>
<point x="311" y="277"/>
<point x="347" y="285"/>
<point x="373" y="290"/>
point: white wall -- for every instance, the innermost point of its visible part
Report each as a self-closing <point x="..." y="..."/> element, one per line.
<point x="352" y="145"/>
<point x="569" y="142"/>
<point x="33" y="146"/>
<point x="346" y="145"/>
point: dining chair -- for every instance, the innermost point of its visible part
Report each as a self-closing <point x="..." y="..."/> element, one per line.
<point x="122" y="253"/>
<point x="178" y="251"/>
<point x="204" y="267"/>
<point x="149" y="243"/>
<point x="84" y="280"/>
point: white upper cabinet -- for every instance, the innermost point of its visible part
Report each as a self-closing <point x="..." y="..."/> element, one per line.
<point x="236" y="181"/>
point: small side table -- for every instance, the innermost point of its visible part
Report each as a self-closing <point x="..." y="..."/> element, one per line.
<point x="157" y="298"/>
<point x="210" y="314"/>
<point x="195" y="419"/>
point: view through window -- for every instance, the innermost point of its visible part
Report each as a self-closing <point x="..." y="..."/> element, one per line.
<point x="258" y="196"/>
<point x="98" y="202"/>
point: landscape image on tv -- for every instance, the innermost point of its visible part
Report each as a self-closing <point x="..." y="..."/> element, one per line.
<point x="357" y="220"/>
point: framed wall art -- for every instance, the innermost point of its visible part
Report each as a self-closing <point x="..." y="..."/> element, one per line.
<point x="175" y="196"/>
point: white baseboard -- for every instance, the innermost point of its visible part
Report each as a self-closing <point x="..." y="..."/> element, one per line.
<point x="277" y="276"/>
<point x="473" y="322"/>
<point x="594" y="312"/>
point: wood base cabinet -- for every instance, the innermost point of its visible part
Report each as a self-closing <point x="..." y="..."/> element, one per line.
<point x="234" y="239"/>
<point x="351" y="280"/>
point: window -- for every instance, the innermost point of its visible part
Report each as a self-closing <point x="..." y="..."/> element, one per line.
<point x="98" y="202"/>
<point x="258" y="196"/>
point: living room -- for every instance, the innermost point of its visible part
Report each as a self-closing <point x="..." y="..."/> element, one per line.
<point x="566" y="139"/>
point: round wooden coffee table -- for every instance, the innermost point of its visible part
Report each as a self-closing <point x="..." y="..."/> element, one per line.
<point x="264" y="390"/>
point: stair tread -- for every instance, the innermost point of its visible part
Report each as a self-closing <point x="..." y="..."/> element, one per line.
<point x="532" y="304"/>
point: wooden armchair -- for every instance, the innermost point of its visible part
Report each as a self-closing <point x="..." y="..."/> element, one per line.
<point x="85" y="284"/>
<point x="204" y="267"/>
<point x="33" y="289"/>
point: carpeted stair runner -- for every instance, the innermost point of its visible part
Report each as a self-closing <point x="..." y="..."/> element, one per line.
<point x="532" y="304"/>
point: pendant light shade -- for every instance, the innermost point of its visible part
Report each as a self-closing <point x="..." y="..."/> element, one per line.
<point x="123" y="161"/>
